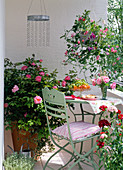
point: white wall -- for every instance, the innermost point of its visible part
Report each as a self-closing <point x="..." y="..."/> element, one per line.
<point x="62" y="15"/>
<point x="2" y="53"/>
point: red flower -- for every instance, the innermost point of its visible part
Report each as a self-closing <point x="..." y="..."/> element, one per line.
<point x="103" y="123"/>
<point x="120" y="134"/>
<point x="100" y="144"/>
<point x="119" y="111"/>
<point x="83" y="19"/>
<point x="120" y="116"/>
<point x="103" y="108"/>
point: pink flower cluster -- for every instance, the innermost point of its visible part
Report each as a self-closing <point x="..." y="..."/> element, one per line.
<point x="100" y="80"/>
<point x="15" y="88"/>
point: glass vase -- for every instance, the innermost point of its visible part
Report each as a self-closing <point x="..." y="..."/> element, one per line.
<point x="104" y="92"/>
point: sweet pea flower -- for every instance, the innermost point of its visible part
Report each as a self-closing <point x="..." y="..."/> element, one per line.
<point x="42" y="73"/>
<point x="94" y="82"/>
<point x="54" y="87"/>
<point x="28" y="76"/>
<point x="73" y="35"/>
<point x="107" y="53"/>
<point x="67" y="78"/>
<point x="99" y="81"/>
<point x="38" y="78"/>
<point x="25" y="114"/>
<point x="41" y="60"/>
<point x="78" y="42"/>
<point x="112" y="109"/>
<point x="80" y="19"/>
<point x="5" y="105"/>
<point x="33" y="64"/>
<point x="103" y="136"/>
<point x="24" y="68"/>
<point x="97" y="58"/>
<point x="114" y="63"/>
<point x="85" y="32"/>
<point x="64" y="83"/>
<point x="66" y="53"/>
<point x="105" y="79"/>
<point x="15" y="88"/>
<point x="118" y="58"/>
<point x="113" y="85"/>
<point x="37" y="100"/>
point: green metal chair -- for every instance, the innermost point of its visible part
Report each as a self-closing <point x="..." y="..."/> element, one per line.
<point x="73" y="133"/>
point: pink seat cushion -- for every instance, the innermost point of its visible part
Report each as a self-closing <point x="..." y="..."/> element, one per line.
<point x="78" y="130"/>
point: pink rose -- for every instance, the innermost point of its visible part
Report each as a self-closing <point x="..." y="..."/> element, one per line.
<point x="33" y="64"/>
<point x="41" y="60"/>
<point x="94" y="82"/>
<point x="28" y="76"/>
<point x="5" y="105"/>
<point x="113" y="85"/>
<point x="24" y="68"/>
<point x="42" y="73"/>
<point x="112" y="109"/>
<point x="99" y="81"/>
<point x="54" y="87"/>
<point x="38" y="78"/>
<point x="97" y="58"/>
<point x="25" y="114"/>
<point x="37" y="100"/>
<point x="67" y="78"/>
<point x="15" y="88"/>
<point x="105" y="79"/>
<point x="63" y="83"/>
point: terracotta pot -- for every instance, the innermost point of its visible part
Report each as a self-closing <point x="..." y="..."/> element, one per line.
<point x="20" y="137"/>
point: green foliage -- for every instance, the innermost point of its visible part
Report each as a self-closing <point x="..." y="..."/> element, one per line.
<point x="92" y="48"/>
<point x="20" y="105"/>
<point x="17" y="161"/>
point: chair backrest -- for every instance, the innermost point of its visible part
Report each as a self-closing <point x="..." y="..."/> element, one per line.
<point x="55" y="105"/>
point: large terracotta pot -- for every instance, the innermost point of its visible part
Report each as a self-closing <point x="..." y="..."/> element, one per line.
<point x="20" y="137"/>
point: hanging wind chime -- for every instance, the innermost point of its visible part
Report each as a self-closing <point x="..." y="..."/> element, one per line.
<point x="38" y="27"/>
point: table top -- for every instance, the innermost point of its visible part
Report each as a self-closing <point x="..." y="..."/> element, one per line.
<point x="95" y="104"/>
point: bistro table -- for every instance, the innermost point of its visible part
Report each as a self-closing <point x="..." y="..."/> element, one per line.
<point x="94" y="103"/>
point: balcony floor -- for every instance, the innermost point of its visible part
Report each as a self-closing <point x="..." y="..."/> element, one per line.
<point x="58" y="161"/>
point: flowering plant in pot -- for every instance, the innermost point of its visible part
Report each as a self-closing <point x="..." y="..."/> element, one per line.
<point x="24" y="82"/>
<point x="92" y="48"/>
<point x="110" y="142"/>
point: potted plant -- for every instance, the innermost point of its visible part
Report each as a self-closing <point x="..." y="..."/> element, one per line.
<point x="17" y="161"/>
<point x="24" y="108"/>
<point x="110" y="142"/>
<point x="92" y="48"/>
